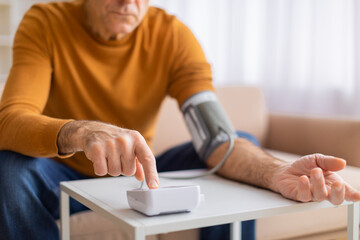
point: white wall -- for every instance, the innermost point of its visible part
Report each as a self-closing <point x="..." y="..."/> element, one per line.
<point x="6" y="33"/>
<point x="11" y="13"/>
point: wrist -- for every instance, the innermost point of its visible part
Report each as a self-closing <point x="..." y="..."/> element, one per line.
<point x="69" y="140"/>
<point x="278" y="172"/>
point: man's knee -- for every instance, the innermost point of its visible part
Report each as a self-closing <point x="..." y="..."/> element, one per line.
<point x="16" y="172"/>
<point x="12" y="162"/>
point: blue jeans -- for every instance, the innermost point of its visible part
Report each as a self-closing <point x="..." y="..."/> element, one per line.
<point x="29" y="193"/>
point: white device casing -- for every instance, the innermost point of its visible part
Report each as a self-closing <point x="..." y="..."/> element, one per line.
<point x="165" y="200"/>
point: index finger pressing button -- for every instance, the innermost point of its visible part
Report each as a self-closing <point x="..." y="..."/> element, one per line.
<point x="147" y="159"/>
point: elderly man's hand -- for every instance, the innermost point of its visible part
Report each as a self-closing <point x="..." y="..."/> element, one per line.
<point x="111" y="149"/>
<point x="313" y="178"/>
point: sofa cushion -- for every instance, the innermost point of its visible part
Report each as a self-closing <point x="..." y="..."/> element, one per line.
<point x="337" y="136"/>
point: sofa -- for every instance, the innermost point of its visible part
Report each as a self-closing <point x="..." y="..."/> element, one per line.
<point x="284" y="136"/>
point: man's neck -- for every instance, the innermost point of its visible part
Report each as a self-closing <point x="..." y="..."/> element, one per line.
<point x="100" y="32"/>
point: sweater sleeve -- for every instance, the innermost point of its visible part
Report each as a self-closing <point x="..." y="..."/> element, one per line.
<point x="23" y="128"/>
<point x="190" y="72"/>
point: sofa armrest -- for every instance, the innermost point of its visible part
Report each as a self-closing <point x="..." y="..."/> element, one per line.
<point x="305" y="135"/>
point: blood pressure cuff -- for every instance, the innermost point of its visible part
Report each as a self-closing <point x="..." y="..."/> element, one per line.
<point x="207" y="122"/>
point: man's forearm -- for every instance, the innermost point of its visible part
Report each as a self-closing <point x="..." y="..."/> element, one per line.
<point x="247" y="163"/>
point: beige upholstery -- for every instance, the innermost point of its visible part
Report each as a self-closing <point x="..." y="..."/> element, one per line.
<point x="291" y="134"/>
<point x="336" y="136"/>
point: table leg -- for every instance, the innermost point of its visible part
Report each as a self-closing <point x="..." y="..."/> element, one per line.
<point x="353" y="221"/>
<point x="235" y="231"/>
<point x="64" y="216"/>
<point x="139" y="234"/>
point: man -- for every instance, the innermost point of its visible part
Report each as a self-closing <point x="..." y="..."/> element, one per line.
<point x="87" y="81"/>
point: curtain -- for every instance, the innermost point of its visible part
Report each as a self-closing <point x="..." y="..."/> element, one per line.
<point x="303" y="53"/>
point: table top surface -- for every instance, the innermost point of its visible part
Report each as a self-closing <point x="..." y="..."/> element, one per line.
<point x="225" y="202"/>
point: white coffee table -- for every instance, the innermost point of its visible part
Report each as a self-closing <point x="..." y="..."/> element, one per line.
<point x="225" y="202"/>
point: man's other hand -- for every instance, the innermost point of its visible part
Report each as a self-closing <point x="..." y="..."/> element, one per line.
<point x="111" y="149"/>
<point x="313" y="178"/>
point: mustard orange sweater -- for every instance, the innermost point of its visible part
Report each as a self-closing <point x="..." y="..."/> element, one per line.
<point x="61" y="72"/>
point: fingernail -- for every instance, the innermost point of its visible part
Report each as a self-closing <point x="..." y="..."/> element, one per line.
<point x="303" y="180"/>
<point x="338" y="187"/>
<point x="153" y="184"/>
<point x="318" y="174"/>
